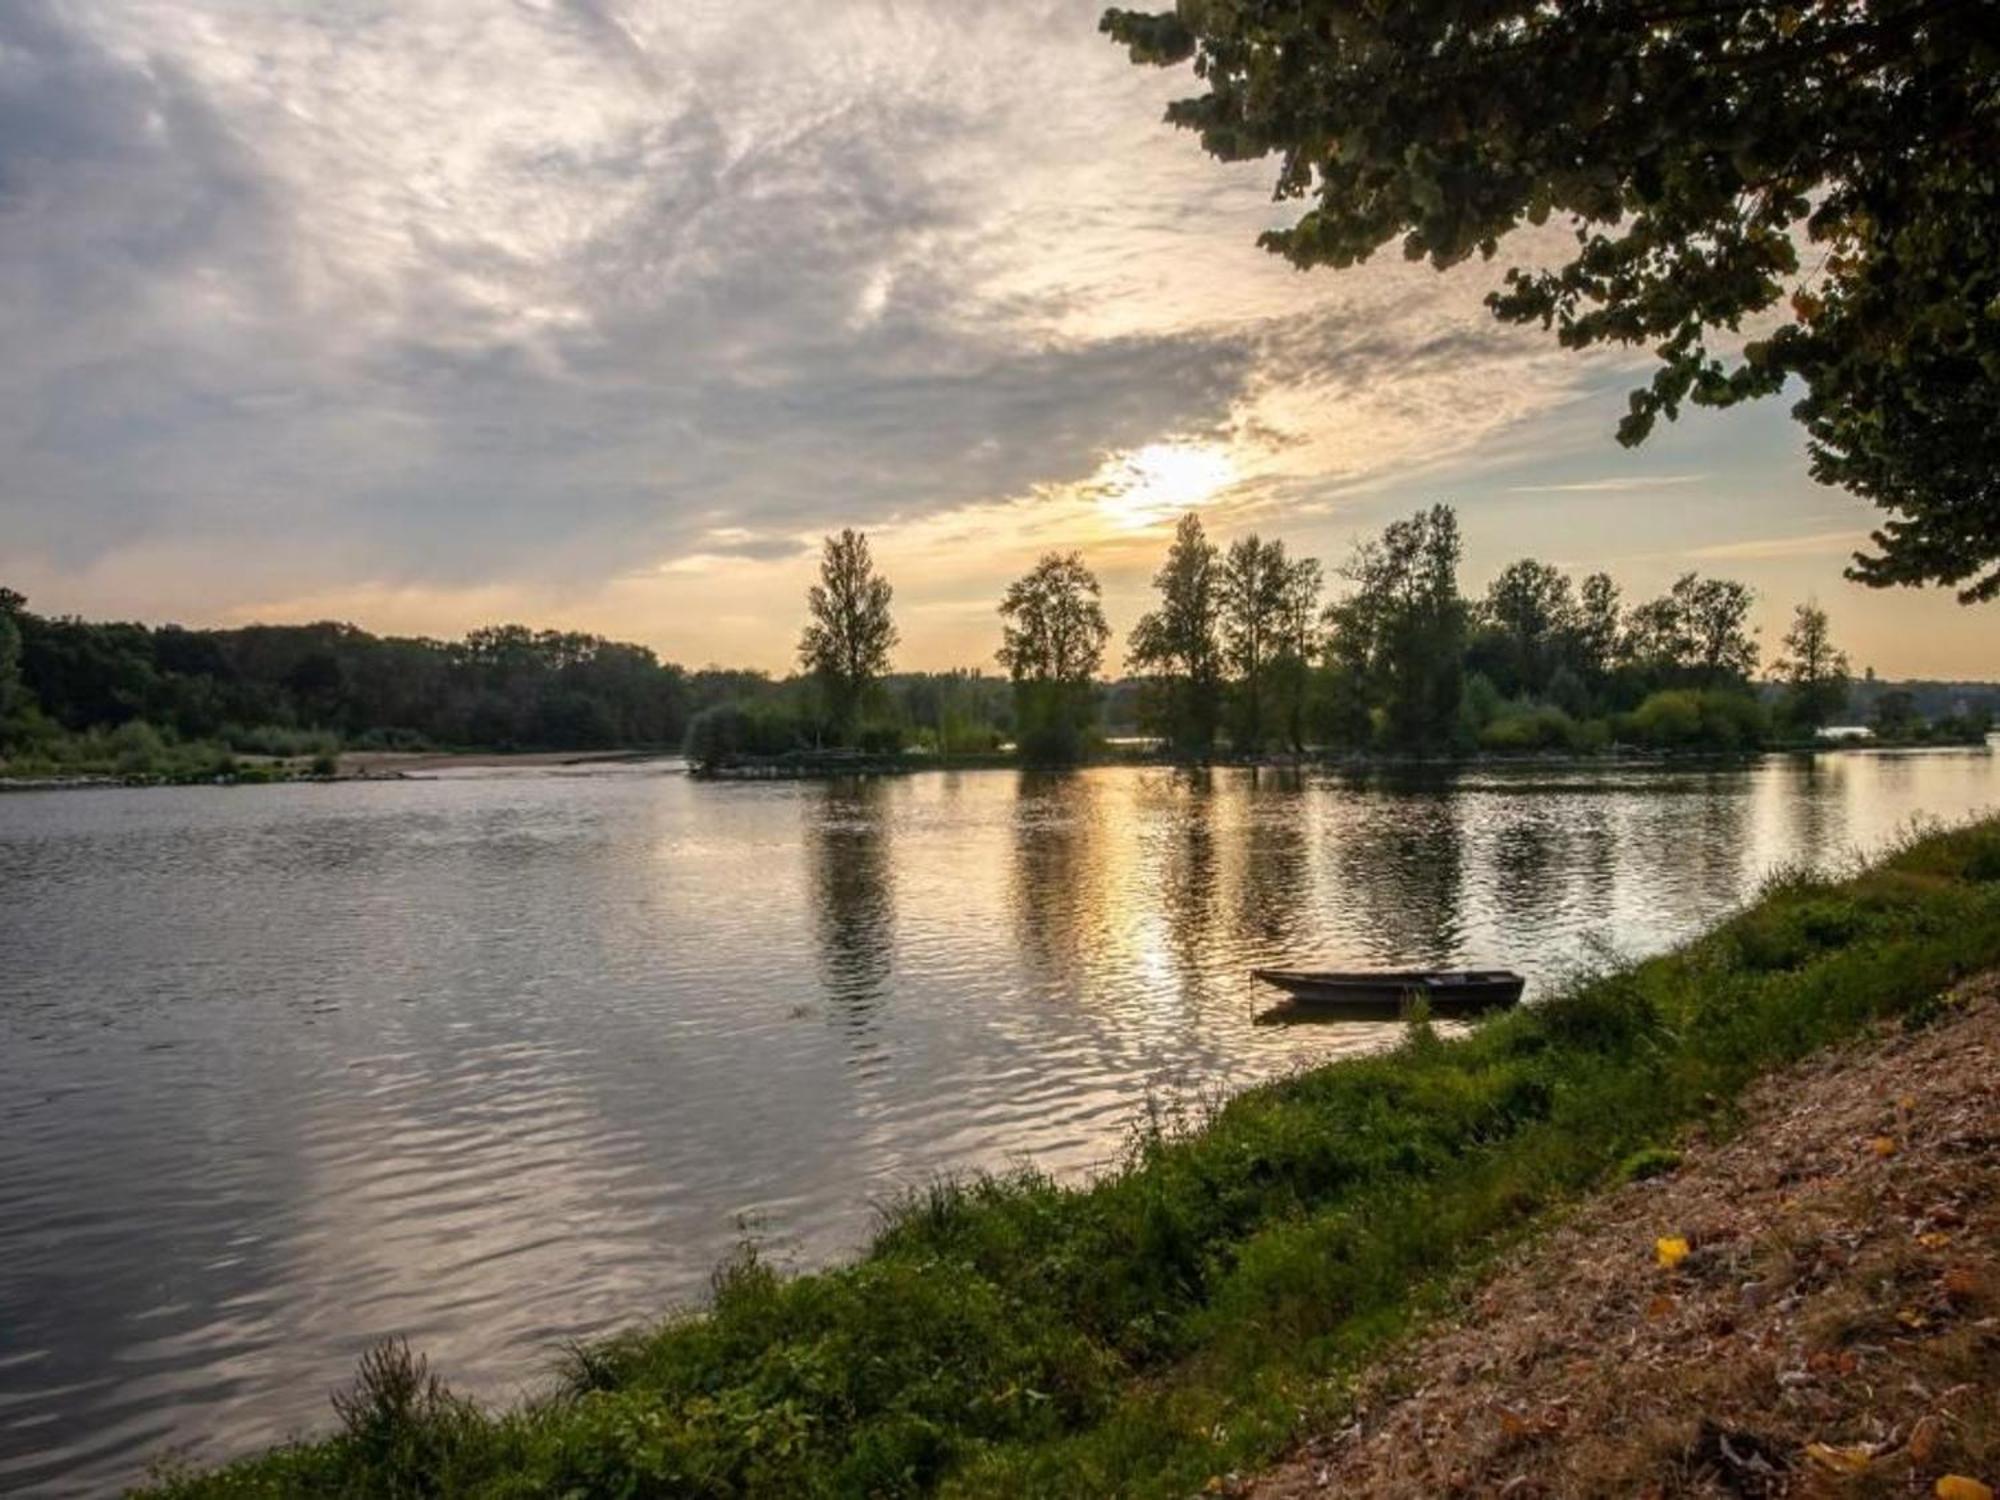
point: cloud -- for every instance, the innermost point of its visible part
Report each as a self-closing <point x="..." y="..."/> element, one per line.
<point x="552" y="307"/>
<point x="1614" y="485"/>
<point x="1813" y="544"/>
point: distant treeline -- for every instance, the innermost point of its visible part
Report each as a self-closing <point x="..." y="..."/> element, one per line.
<point x="1239" y="654"/>
<point x="1242" y="656"/>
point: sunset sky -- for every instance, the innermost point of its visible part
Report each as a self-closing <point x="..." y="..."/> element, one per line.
<point x="597" y="313"/>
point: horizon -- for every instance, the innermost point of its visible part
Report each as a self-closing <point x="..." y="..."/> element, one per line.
<point x="307" y="324"/>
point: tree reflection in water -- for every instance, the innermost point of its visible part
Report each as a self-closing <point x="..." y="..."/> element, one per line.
<point x="853" y="887"/>
<point x="1400" y="858"/>
<point x="1274" y="894"/>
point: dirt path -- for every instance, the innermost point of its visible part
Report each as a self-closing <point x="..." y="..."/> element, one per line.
<point x="1811" y="1308"/>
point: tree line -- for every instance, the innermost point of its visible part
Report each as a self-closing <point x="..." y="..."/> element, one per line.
<point x="1241" y="652"/>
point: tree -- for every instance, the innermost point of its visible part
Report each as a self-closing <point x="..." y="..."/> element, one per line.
<point x="1693" y="149"/>
<point x="1815" y="673"/>
<point x="1052" y="645"/>
<point x="11" y="694"/>
<point x="1258" y="584"/>
<point x="1895" y="716"/>
<point x="1714" y="614"/>
<point x="1697" y="634"/>
<point x="1595" y="649"/>
<point x="1290" y="673"/>
<point x="1400" y="635"/>
<point x="848" y="635"/>
<point x="1175" y="645"/>
<point x="1530" y="621"/>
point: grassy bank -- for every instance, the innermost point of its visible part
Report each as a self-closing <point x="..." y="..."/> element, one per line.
<point x="1176" y="1320"/>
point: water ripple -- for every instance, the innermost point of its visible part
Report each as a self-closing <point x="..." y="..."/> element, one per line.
<point x="495" y="1062"/>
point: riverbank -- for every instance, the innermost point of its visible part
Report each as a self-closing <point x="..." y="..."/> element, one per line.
<point x="1191" y="1315"/>
<point x="1807" y="1300"/>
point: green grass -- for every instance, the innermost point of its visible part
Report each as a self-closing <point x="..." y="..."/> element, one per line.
<point x="1182" y="1318"/>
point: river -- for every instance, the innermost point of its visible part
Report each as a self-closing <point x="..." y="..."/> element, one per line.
<point x="498" y="1059"/>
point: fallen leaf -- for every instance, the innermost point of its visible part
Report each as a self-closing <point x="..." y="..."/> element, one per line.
<point x="1661" y="1306"/>
<point x="1958" y="1487"/>
<point x="1961" y="1283"/>
<point x="1935" y="1239"/>
<point x="1670" y="1251"/>
<point x="1912" y="1319"/>
<point x="1838" y="1460"/>
<point x="1923" y="1439"/>
<point x="1883" y="1145"/>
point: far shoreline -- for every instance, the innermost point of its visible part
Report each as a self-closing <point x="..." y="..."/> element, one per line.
<point x="430" y="765"/>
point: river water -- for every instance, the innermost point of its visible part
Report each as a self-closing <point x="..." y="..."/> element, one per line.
<point x="494" y="1060"/>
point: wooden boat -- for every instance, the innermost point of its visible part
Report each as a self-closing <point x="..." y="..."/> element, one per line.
<point x="1383" y="993"/>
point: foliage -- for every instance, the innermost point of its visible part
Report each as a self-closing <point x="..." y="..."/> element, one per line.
<point x="1695" y="635"/>
<point x="304" y="689"/>
<point x="1528" y="625"/>
<point x="1176" y="646"/>
<point x="1400" y="633"/>
<point x="1052" y="645"/>
<point x="1176" y="1319"/>
<point x="1693" y="150"/>
<point x="1268" y="603"/>
<point x="13" y="697"/>
<point x="1697" y="719"/>
<point x="1895" y="715"/>
<point x="1813" y="670"/>
<point x="724" y="733"/>
<point x="955" y="713"/>
<point x="848" y="634"/>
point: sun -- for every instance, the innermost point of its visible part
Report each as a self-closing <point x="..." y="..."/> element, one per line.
<point x="1150" y="484"/>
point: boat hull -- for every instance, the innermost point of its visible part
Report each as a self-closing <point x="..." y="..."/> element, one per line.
<point x="1447" y="992"/>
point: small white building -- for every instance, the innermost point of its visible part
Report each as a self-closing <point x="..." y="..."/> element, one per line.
<point x="1846" y="732"/>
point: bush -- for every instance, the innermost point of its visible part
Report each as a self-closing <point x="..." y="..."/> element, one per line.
<point x="1530" y="726"/>
<point x="880" y="738"/>
<point x="279" y="740"/>
<point x="727" y="732"/>
<point x="137" y="748"/>
<point x="1690" y="719"/>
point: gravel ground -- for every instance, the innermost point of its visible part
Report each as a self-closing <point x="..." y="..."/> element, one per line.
<point x="1810" y="1306"/>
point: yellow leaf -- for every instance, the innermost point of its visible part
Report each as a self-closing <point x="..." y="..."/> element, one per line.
<point x="1958" y="1487"/>
<point x="1935" y="1239"/>
<point x="1838" y="1460"/>
<point x="1883" y="1146"/>
<point x="1670" y="1250"/>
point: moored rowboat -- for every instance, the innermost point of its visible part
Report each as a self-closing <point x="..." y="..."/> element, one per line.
<point x="1448" y="991"/>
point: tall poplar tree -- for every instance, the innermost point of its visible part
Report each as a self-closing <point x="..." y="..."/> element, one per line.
<point x="1175" y="647"/>
<point x="848" y="634"/>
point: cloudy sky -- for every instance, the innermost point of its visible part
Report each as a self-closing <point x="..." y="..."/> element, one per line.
<point x="426" y="313"/>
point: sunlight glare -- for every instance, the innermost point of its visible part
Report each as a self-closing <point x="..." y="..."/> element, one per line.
<point x="1157" y="482"/>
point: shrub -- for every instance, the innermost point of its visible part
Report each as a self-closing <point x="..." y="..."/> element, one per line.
<point x="727" y="732"/>
<point x="1687" y="719"/>
<point x="137" y="747"/>
<point x="1530" y="726"/>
